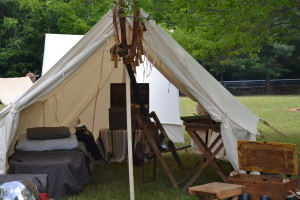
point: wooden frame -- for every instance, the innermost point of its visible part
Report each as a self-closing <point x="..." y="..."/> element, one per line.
<point x="196" y="125"/>
<point x="150" y="134"/>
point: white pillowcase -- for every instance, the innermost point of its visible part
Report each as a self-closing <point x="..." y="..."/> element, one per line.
<point x="25" y="144"/>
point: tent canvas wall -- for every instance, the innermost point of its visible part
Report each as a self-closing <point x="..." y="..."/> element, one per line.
<point x="11" y="88"/>
<point x="164" y="96"/>
<point x="77" y="86"/>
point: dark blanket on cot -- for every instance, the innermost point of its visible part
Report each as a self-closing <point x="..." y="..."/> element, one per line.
<point x="67" y="170"/>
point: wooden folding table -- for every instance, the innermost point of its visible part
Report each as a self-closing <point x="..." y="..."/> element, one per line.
<point x="193" y="124"/>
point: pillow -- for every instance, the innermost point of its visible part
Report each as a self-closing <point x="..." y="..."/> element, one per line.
<point x="25" y="144"/>
<point x="46" y="133"/>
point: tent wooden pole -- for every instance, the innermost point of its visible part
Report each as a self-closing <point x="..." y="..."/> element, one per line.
<point x="129" y="137"/>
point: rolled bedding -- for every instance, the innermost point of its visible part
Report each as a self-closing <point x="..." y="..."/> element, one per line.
<point x="48" y="133"/>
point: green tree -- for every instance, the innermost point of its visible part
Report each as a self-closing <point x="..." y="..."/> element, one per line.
<point x="22" y="39"/>
<point x="23" y="24"/>
<point x="71" y="16"/>
<point x="214" y="31"/>
<point x="221" y="30"/>
<point x="271" y="62"/>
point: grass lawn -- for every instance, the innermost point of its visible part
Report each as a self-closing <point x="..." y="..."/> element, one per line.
<point x="275" y="110"/>
<point x="110" y="181"/>
<point x="2" y="106"/>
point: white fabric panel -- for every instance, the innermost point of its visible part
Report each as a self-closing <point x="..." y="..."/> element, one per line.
<point x="11" y="88"/>
<point x="57" y="45"/>
<point x="164" y="100"/>
<point x="175" y="132"/>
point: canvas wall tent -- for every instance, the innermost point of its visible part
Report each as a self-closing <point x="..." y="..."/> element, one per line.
<point x="77" y="87"/>
<point x="163" y="95"/>
<point x="11" y="88"/>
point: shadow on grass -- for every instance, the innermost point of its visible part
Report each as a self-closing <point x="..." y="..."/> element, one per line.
<point x="110" y="181"/>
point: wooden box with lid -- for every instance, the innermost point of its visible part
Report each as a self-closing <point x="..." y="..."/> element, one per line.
<point x="278" y="160"/>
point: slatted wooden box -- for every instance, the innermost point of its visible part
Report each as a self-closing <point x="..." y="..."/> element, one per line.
<point x="118" y="118"/>
<point x="118" y="95"/>
<point x="274" y="158"/>
<point x="117" y="112"/>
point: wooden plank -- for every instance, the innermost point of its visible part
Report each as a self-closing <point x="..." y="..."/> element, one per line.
<point x="216" y="188"/>
<point x="230" y="193"/>
<point x="278" y="158"/>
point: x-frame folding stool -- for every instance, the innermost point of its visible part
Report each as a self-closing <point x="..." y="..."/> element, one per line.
<point x="209" y="156"/>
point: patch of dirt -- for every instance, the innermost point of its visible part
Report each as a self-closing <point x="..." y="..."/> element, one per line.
<point x="295" y="110"/>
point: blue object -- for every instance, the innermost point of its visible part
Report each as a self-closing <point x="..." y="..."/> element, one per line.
<point x="244" y="196"/>
<point x="264" y="197"/>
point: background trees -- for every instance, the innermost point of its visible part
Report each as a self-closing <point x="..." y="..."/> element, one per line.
<point x="248" y="39"/>
<point x="219" y="34"/>
<point x="23" y="24"/>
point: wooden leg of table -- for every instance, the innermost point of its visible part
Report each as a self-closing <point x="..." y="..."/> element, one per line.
<point x="216" y="166"/>
<point x="215" y="142"/>
<point x="201" y="170"/>
<point x="219" y="170"/>
<point x="196" y="175"/>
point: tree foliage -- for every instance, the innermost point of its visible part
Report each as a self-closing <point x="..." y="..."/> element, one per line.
<point x="221" y="30"/>
<point x="19" y="35"/>
<point x="211" y="31"/>
<point x="271" y="61"/>
<point x="23" y="24"/>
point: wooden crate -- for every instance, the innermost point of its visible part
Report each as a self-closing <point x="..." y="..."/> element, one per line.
<point x="118" y="118"/>
<point x="118" y="95"/>
<point x="257" y="185"/>
<point x="275" y="158"/>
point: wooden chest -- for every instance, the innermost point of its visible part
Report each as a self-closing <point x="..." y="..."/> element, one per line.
<point x="278" y="159"/>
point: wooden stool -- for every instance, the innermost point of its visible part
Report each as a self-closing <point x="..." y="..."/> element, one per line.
<point x="220" y="190"/>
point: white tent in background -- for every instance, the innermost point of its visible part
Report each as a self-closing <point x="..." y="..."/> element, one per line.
<point x="11" y="88"/>
<point x="164" y="100"/>
<point x="164" y="96"/>
<point x="56" y="46"/>
<point x="77" y="87"/>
